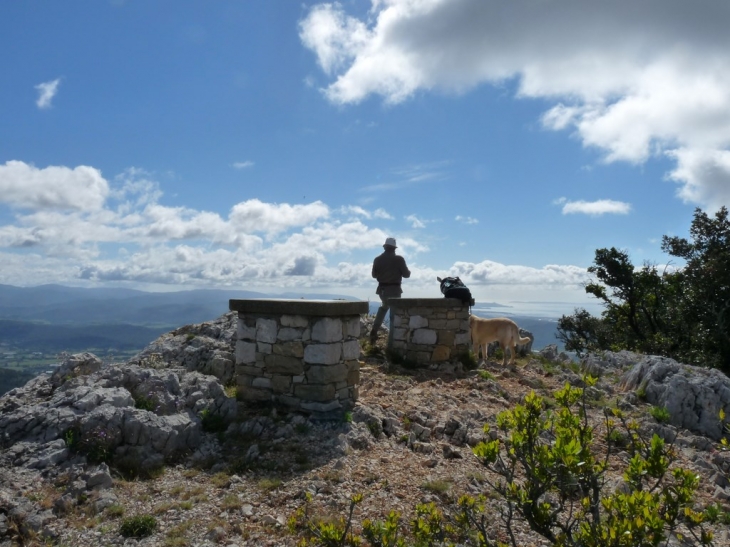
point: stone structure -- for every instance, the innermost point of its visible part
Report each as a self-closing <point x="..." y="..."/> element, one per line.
<point x="299" y="354"/>
<point x="429" y="331"/>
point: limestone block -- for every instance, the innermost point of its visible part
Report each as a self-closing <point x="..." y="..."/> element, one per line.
<point x="266" y="330"/>
<point x="343" y="394"/>
<point x="287" y="334"/>
<point x="423" y="336"/>
<point x="245" y="352"/>
<point x="291" y="349"/>
<point x="462" y="338"/>
<point x="440" y="353"/>
<point x="350" y="350"/>
<point x="281" y="384"/>
<point x="351" y="327"/>
<point x="322" y="407"/>
<point x="288" y="400"/>
<point x="244" y="332"/>
<point x="453" y="324"/>
<point x="294" y="321"/>
<point x="282" y="364"/>
<point x="353" y="377"/>
<point x="307" y="335"/>
<point x="398" y="345"/>
<point x="327" y="330"/>
<point x="248" y="370"/>
<point x="438" y="323"/>
<point x="298" y="379"/>
<point x="263" y="347"/>
<point x="323" y="354"/>
<point x="446" y="337"/>
<point x="261" y="383"/>
<point x="417" y="322"/>
<point x="326" y="374"/>
<point x="397" y="320"/>
<point x="246" y="393"/>
<point x="450" y="314"/>
<point x="315" y="392"/>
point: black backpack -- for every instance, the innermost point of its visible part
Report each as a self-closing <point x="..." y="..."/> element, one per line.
<point x="453" y="287"/>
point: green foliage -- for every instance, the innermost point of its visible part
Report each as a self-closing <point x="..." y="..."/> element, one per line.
<point x="486" y="375"/>
<point x="660" y="414"/>
<point x="211" y="422"/>
<point x="144" y="402"/>
<point x="683" y="314"/>
<point x="138" y="526"/>
<point x="347" y="417"/>
<point x="96" y="444"/>
<point x="561" y="494"/>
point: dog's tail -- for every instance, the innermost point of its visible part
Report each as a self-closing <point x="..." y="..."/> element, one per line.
<point x="522" y="341"/>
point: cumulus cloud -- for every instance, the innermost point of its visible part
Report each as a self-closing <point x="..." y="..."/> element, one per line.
<point x="46" y="92"/>
<point x="55" y="187"/>
<point x="595" y="208"/>
<point x="663" y="87"/>
<point x="494" y="273"/>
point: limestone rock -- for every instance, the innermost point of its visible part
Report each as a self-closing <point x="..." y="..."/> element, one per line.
<point x="692" y="395"/>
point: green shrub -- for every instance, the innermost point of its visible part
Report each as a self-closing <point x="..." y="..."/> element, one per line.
<point x="143" y="402"/>
<point x="486" y="375"/>
<point x="138" y="526"/>
<point x="660" y="414"/>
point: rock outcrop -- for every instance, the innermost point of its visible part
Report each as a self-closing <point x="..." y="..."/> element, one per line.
<point x="208" y="348"/>
<point x="693" y="396"/>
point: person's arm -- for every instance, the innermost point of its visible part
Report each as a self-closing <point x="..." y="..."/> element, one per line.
<point x="404" y="271"/>
<point x="375" y="271"/>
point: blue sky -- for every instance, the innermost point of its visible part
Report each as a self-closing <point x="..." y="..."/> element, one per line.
<point x="273" y="146"/>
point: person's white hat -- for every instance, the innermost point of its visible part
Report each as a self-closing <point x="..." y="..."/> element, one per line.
<point x="390" y="241"/>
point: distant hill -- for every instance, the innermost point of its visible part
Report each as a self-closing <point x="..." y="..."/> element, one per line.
<point x="56" y="304"/>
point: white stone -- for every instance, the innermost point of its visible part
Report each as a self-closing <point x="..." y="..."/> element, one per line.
<point x="424" y="336"/>
<point x="417" y="322"/>
<point x="245" y="333"/>
<point x="294" y="321"/>
<point x="245" y="352"/>
<point x="350" y="350"/>
<point x="266" y="330"/>
<point x="287" y="334"/>
<point x="261" y="383"/>
<point x="462" y="338"/>
<point x="327" y="329"/>
<point x="351" y="328"/>
<point x="263" y="347"/>
<point x="399" y="334"/>
<point x="323" y="354"/>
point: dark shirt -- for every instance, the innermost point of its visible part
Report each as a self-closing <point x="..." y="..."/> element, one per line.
<point x="389" y="269"/>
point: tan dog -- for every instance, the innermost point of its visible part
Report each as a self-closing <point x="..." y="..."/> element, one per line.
<point x="500" y="329"/>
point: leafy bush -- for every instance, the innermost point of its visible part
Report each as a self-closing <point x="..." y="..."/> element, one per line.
<point x="211" y="422"/>
<point x="660" y="414"/>
<point x="138" y="526"/>
<point x="97" y="444"/>
<point x="552" y="479"/>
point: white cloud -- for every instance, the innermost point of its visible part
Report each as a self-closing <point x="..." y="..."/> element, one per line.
<point x="466" y="220"/>
<point x="415" y="221"/>
<point x="46" y="92"/>
<point x="664" y="86"/>
<point x="24" y="185"/>
<point x="596" y="208"/>
<point x="494" y="273"/>
<point x="256" y="216"/>
<point x="243" y="164"/>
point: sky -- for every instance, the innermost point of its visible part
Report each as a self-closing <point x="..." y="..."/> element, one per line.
<point x="273" y="146"/>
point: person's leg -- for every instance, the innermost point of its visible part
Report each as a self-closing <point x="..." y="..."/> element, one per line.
<point x="379" y="317"/>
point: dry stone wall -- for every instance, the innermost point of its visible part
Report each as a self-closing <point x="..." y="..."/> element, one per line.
<point x="302" y="355"/>
<point x="429" y="331"/>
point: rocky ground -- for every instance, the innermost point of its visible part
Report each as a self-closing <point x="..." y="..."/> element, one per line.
<point x="408" y="441"/>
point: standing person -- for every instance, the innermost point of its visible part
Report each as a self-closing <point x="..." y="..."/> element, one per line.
<point x="389" y="269"/>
